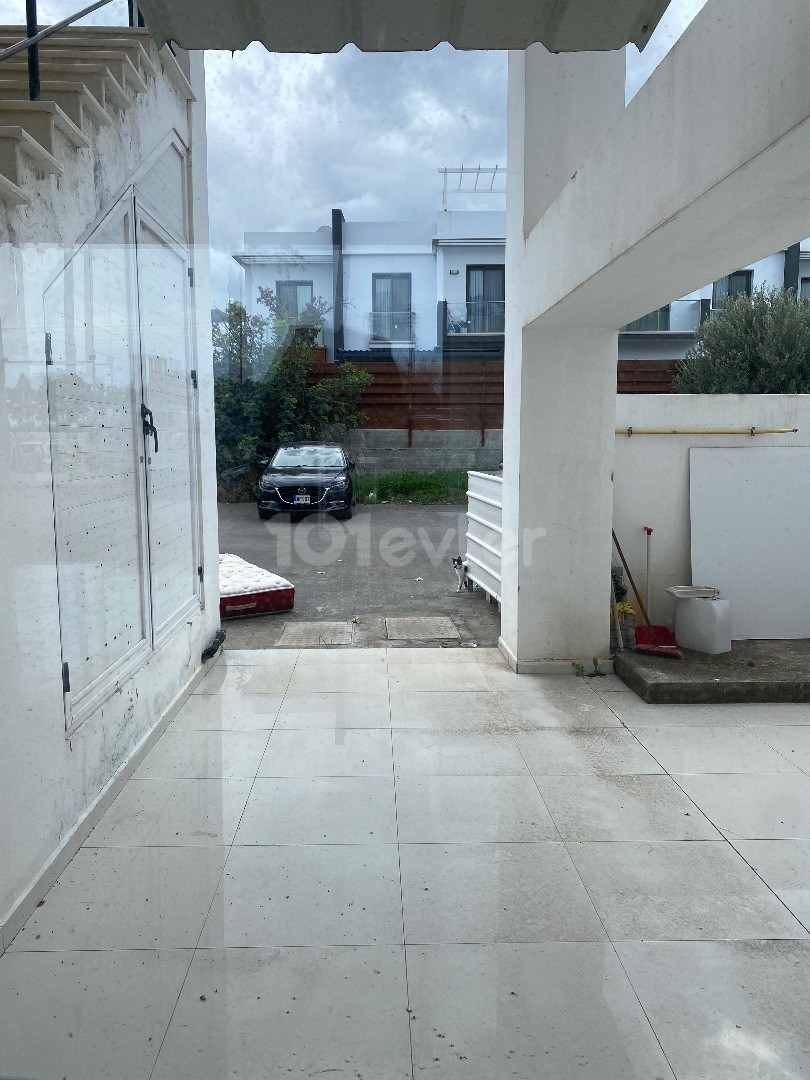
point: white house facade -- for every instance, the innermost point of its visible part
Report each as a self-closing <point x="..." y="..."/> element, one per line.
<point x="391" y="286"/>
<point x="425" y="286"/>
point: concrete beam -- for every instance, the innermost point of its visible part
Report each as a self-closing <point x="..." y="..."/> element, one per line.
<point x="705" y="171"/>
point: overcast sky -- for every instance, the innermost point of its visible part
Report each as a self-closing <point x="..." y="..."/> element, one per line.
<point x="292" y="136"/>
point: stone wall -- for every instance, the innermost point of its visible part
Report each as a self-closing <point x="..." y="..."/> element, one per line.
<point x="385" y="451"/>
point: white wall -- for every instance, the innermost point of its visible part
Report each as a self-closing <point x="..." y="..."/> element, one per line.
<point x="357" y="277"/>
<point x="459" y="258"/>
<point x="651" y="472"/>
<point x="47" y="782"/>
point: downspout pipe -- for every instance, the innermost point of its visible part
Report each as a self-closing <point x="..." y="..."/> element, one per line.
<point x="337" y="283"/>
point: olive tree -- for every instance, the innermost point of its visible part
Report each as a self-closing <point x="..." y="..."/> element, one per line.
<point x="758" y="344"/>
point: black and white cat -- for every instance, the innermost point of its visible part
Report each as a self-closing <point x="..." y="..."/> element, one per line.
<point x="460" y="568"/>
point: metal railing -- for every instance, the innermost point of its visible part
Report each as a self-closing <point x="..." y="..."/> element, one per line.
<point x="476" y="317"/>
<point x="391" y="326"/>
<point x="681" y="316"/>
<point x="30" y="43"/>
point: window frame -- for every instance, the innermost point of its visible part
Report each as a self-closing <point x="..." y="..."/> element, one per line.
<point x="483" y="319"/>
<point x="297" y="285"/>
<point x="719" y="301"/>
<point x="377" y="312"/>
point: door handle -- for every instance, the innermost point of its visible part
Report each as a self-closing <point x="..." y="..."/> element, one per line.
<point x="149" y="424"/>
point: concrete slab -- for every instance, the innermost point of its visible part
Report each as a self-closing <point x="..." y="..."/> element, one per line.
<point x="316" y="633"/>
<point x="420" y="628"/>
<point x="754" y="671"/>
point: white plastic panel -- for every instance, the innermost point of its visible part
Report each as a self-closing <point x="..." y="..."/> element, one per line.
<point x="484" y="531"/>
<point x="750" y="517"/>
<point x="172" y="479"/>
<point x="94" y="397"/>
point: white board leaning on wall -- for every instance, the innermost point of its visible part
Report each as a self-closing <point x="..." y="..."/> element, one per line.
<point x="750" y="522"/>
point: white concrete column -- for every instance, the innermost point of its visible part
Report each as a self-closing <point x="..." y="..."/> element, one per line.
<point x="560" y="382"/>
<point x="558" y="500"/>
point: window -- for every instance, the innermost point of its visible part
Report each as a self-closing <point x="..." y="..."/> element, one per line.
<point x="656" y="320"/>
<point x="308" y="457"/>
<point x="391" y="316"/>
<point x="737" y="284"/>
<point x="804" y="289"/>
<point x="293" y="298"/>
<point x="485" y="299"/>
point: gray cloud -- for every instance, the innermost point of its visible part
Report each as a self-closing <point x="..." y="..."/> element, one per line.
<point x="292" y="136"/>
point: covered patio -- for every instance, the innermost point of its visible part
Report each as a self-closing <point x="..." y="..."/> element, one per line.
<point x="440" y="869"/>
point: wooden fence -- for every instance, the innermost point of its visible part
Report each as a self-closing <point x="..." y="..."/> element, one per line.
<point x="463" y="395"/>
<point x="449" y="395"/>
<point x="646" y="376"/>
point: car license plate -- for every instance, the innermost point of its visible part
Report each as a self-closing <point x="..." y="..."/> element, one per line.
<point x="301" y="500"/>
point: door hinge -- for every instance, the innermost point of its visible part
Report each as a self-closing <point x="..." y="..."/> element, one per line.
<point x="194" y="379"/>
<point x="191" y="276"/>
<point x="66" y="678"/>
<point x="48" y="350"/>
<point x="200" y="572"/>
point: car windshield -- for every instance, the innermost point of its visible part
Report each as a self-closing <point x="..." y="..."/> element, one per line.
<point x="308" y="457"/>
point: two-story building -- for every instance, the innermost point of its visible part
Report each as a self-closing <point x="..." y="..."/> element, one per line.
<point x="391" y="286"/>
<point x="439" y="285"/>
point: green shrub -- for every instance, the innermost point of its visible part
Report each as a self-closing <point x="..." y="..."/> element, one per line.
<point x="262" y="395"/>
<point x="760" y="344"/>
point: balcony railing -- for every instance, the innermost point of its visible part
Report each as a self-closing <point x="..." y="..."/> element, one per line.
<point x="476" y="317"/>
<point x="391" y="326"/>
<point x="681" y="316"/>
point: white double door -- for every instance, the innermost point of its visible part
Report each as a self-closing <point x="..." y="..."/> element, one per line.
<point x="123" y="421"/>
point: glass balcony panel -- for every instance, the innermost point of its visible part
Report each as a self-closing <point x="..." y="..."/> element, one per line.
<point x="476" y="317"/>
<point x="391" y="326"/>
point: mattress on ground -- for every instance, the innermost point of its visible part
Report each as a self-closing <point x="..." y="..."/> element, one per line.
<point x="245" y="589"/>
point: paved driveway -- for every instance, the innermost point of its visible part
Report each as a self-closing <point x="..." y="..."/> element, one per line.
<point x="389" y="561"/>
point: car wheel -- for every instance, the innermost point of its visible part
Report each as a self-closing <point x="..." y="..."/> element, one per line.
<point x="344" y="515"/>
<point x="265" y="515"/>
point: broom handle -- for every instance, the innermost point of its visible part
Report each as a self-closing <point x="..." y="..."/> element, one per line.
<point x="633" y="585"/>
<point x="616" y="621"/>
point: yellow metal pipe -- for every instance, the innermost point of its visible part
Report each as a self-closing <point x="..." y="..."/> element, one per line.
<point x="630" y="431"/>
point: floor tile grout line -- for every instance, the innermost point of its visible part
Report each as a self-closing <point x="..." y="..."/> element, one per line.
<point x="601" y="921"/>
<point x="228" y="849"/>
<point x="764" y="742"/>
<point x="722" y="836"/>
<point x="409" y="1014"/>
<point x="619" y="959"/>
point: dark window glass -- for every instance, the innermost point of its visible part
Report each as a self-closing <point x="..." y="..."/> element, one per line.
<point x="485" y="299"/>
<point x="391" y="316"/>
<point x="737" y="284"/>
<point x="293" y="297"/>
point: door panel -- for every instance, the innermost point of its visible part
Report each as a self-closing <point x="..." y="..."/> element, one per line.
<point x="94" y="392"/>
<point x="171" y="471"/>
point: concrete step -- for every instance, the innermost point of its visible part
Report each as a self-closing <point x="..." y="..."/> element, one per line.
<point x="16" y="144"/>
<point x="126" y="75"/>
<point x="74" y="98"/>
<point x="102" y="83"/>
<point x="42" y="119"/>
<point x="12" y="194"/>
<point x="137" y="44"/>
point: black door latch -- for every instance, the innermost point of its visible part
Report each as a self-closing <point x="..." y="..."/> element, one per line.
<point x="149" y="424"/>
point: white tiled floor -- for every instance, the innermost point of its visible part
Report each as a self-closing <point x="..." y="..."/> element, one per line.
<point x="437" y="869"/>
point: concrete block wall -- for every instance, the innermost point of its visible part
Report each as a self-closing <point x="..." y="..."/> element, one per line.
<point x="385" y="452"/>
